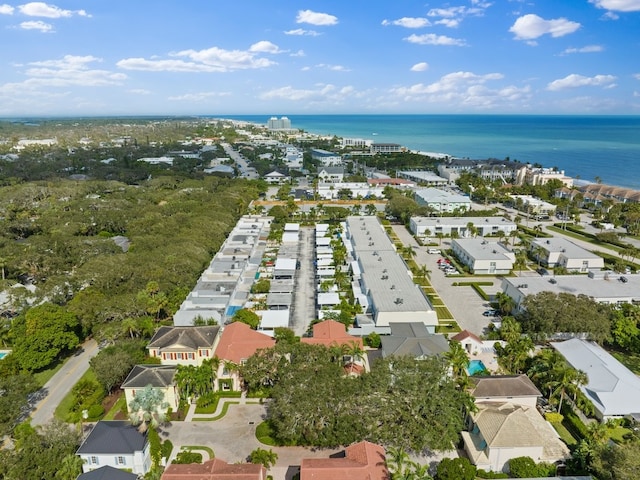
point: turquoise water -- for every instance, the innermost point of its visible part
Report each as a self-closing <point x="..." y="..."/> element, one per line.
<point x="475" y="366"/>
<point x="589" y="146"/>
<point x="2" y="355"/>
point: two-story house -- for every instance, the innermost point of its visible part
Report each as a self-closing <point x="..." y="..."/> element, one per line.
<point x="159" y="377"/>
<point x="184" y="345"/>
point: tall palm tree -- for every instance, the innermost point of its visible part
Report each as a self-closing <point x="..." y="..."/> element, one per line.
<point x="397" y="461"/>
<point x="355" y="351"/>
<point x="458" y="359"/>
<point x="370" y="209"/>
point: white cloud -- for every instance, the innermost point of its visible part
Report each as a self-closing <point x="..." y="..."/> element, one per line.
<point x="618" y="5"/>
<point x="610" y="16"/>
<point x="327" y="66"/>
<point x="531" y="26"/>
<point x="212" y="59"/>
<point x="408" y="22"/>
<point x="302" y="31"/>
<point x="140" y="91"/>
<point x="452" y="16"/>
<point x="264" y="46"/>
<point x="574" y="80"/>
<point x="636" y="76"/>
<point x="433" y="39"/>
<point x="316" y="18"/>
<point x="299" y="53"/>
<point x="41" y="9"/>
<point x="449" y="22"/>
<point x="198" y="97"/>
<point x="465" y="89"/>
<point x="323" y="93"/>
<point x="37" y="25"/>
<point x="420" y="67"/>
<point x="6" y="9"/>
<point x="585" y="49"/>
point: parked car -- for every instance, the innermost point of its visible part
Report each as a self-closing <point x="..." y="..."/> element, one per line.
<point x="433" y="251"/>
<point x="490" y="313"/>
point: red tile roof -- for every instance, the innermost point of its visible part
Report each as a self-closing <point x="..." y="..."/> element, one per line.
<point x="214" y="469"/>
<point x="330" y="333"/>
<point x="464" y="334"/>
<point x="362" y="461"/>
<point x="239" y="342"/>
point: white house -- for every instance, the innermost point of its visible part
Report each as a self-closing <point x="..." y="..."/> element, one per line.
<point x="160" y="377"/>
<point x="441" y="201"/>
<point x="276" y="178"/>
<point x="559" y="252"/>
<point x="326" y="158"/>
<point x="461" y="226"/>
<point x="483" y="257"/>
<point x="613" y="389"/>
<point x="116" y="444"/>
<point x="331" y="174"/>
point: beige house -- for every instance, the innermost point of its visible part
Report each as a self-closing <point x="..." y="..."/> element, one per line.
<point x="184" y="345"/>
<point x="160" y="377"/>
<point x="559" y="252"/>
<point x="500" y="431"/>
<point x="516" y="389"/>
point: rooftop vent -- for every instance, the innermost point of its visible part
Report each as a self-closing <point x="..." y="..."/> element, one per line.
<point x="384" y="277"/>
<point x="393" y="287"/>
<point x="398" y="301"/>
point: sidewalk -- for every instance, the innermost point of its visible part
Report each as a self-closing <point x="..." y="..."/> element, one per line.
<point x="242" y="400"/>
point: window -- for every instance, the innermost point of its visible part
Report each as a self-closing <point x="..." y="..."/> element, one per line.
<point x="94" y="461"/>
<point x="120" y="461"/>
<point x="191" y="356"/>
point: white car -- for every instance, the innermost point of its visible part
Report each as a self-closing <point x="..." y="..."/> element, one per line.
<point x="433" y="250"/>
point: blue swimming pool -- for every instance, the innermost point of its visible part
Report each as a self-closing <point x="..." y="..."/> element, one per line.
<point x="475" y="366"/>
<point x="2" y="355"/>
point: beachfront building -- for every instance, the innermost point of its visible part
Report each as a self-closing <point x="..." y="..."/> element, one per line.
<point x="533" y="206"/>
<point x="326" y="158"/>
<point x="422" y="177"/>
<point x="332" y="191"/>
<point x="441" y="201"/>
<point x="491" y="169"/>
<point x="612" y="388"/>
<point x="610" y="192"/>
<point x="482" y="257"/>
<point x="386" y="148"/>
<point x="602" y="286"/>
<point x="385" y="281"/>
<point x="541" y="176"/>
<point x="560" y="252"/>
<point x="463" y="227"/>
<point x="282" y="123"/>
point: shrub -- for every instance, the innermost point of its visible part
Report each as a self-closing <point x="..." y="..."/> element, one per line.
<point x="187" y="456"/>
<point x="95" y="412"/>
<point x="554" y="417"/>
<point x="489" y="475"/>
<point x="455" y="469"/>
<point x="167" y="448"/>
<point x="206" y="400"/>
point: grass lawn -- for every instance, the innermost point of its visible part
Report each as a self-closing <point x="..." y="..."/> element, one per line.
<point x="443" y="313"/>
<point x="225" y="409"/>
<point x="63" y="410"/>
<point x="565" y="435"/>
<point x="199" y="447"/>
<point x="111" y="414"/>
<point x="617" y="434"/>
<point x="629" y="360"/>
<point x="264" y="434"/>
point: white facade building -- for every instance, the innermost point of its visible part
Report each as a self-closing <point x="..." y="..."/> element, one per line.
<point x="559" y="252"/>
<point x="483" y="257"/>
<point x="424" y="227"/>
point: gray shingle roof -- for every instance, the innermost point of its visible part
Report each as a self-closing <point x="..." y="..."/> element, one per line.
<point x="413" y="339"/>
<point x="504" y="386"/>
<point x="192" y="337"/>
<point x="108" y="473"/>
<point x="113" y="437"/>
<point x="155" y="375"/>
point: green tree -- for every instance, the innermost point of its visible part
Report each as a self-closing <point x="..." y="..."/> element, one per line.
<point x="397" y="462"/>
<point x="70" y="467"/>
<point x="148" y="408"/>
<point x="523" y="467"/>
<point x="455" y="469"/>
<point x="247" y="316"/>
<point x="266" y="458"/>
<point x="42" y="334"/>
<point x="458" y="359"/>
<point x="111" y="366"/>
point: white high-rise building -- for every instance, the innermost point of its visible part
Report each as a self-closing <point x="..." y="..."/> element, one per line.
<point x="282" y="123"/>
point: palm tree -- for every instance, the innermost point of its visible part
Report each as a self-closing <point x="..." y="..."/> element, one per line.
<point x="370" y="209"/>
<point x="458" y="359"/>
<point x="409" y="251"/>
<point x="538" y="229"/>
<point x="148" y="408"/>
<point x="355" y="351"/>
<point x="397" y="461"/>
<point x="70" y="468"/>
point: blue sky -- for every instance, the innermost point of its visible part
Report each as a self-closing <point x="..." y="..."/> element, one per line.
<point x="116" y="57"/>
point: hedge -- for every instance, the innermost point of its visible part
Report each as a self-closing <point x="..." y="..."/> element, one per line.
<point x="574" y="424"/>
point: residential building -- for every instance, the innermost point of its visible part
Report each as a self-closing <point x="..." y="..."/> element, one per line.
<point x="160" y="377"/>
<point x="282" y="123"/>
<point x="491" y="169"/>
<point x="399" y="183"/>
<point x="471" y="343"/>
<point x="326" y="158"/>
<point x="422" y="177"/>
<point x="361" y="461"/>
<point x="602" y="286"/>
<point x="215" y="469"/>
<point x="462" y="227"/>
<point x="355" y="142"/>
<point x="332" y="191"/>
<point x="533" y="206"/>
<point x="183" y="345"/>
<point x="612" y="388"/>
<point x="108" y="473"/>
<point x="482" y="257"/>
<point x="385" y="287"/>
<point x="117" y="444"/>
<point x="541" y="176"/>
<point x="611" y="192"/>
<point x="331" y="174"/>
<point x="386" y="148"/>
<point x="516" y="389"/>
<point x="412" y="339"/>
<point x="442" y="201"/>
<point x="560" y="252"/>
<point x="276" y="178"/>
<point x="331" y="333"/>
<point x="500" y="431"/>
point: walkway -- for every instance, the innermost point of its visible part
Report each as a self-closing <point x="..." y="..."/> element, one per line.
<point x="303" y="310"/>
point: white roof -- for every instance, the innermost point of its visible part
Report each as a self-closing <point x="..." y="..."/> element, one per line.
<point x="328" y="298"/>
<point x="562" y="245"/>
<point x="435" y="195"/>
<point x="291" y="227"/>
<point x="285" y="264"/>
<point x="612" y="387"/>
<point x="274" y="318"/>
<point x="290" y="237"/>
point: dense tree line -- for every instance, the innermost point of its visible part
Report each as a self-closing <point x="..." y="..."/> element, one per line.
<point x="402" y="402"/>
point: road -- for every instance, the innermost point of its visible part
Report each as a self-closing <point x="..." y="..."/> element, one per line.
<point x="62" y="383"/>
<point x="243" y="165"/>
<point x="304" y="307"/>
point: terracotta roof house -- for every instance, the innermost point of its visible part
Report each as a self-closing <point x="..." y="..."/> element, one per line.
<point x="330" y="333"/>
<point x="116" y="444"/>
<point x="516" y="389"/>
<point x="160" y="377"/>
<point x="215" y="469"/>
<point x="183" y="345"/>
<point x="108" y="473"/>
<point x="500" y="431"/>
<point x="414" y="340"/>
<point x="469" y="341"/>
<point x="237" y="343"/>
<point x="361" y="461"/>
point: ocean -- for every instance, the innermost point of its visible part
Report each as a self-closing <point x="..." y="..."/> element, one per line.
<point x="587" y="147"/>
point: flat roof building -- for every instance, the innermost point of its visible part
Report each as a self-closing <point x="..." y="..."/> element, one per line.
<point x="484" y="226"/>
<point x="483" y="257"/>
<point x="441" y="201"/>
<point x="560" y="252"/>
<point x="422" y="177"/>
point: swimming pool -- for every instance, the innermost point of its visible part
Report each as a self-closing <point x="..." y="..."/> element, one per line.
<point x="2" y="355"/>
<point x="475" y="366"/>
